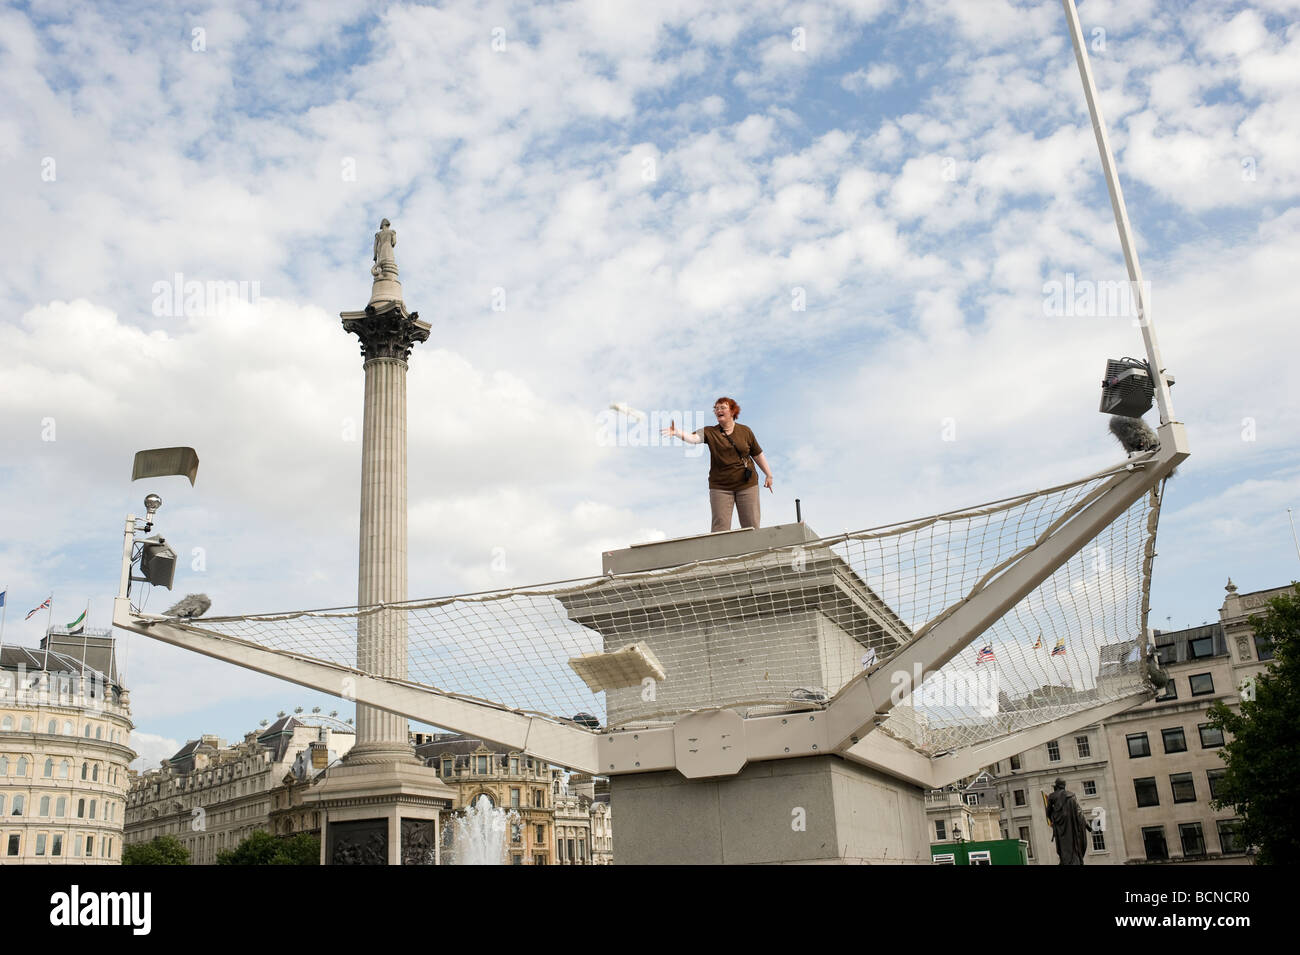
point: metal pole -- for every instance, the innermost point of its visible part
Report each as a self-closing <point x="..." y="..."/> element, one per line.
<point x="1291" y="518"/>
<point x="798" y="512"/>
<point x="1121" y="217"/>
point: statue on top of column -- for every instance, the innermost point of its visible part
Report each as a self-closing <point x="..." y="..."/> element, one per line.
<point x="385" y="242"/>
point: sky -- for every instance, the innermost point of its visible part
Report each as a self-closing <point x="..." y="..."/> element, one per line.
<point x="848" y="216"/>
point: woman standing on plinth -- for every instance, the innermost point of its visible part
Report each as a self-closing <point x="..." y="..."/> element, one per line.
<point x="733" y="454"/>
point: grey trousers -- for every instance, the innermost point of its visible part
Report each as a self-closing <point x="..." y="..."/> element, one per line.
<point x="745" y="501"/>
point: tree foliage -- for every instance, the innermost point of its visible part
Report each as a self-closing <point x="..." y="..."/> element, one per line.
<point x="262" y="848"/>
<point x="162" y="850"/>
<point x="1262" y="769"/>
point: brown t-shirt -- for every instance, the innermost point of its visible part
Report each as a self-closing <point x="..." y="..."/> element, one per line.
<point x="726" y="467"/>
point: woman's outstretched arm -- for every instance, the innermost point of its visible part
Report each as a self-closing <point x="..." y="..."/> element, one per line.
<point x="673" y="431"/>
<point x="761" y="460"/>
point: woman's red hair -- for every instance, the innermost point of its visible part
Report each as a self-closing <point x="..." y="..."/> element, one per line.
<point x="735" y="408"/>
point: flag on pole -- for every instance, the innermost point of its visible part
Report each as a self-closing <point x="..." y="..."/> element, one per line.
<point x="2" y="597"/>
<point x="1059" y="649"/>
<point x="79" y="624"/>
<point x="37" y="609"/>
<point x="985" y="655"/>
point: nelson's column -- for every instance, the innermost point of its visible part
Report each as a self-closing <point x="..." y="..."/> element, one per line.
<point x="381" y="806"/>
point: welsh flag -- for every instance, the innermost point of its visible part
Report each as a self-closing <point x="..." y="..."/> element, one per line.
<point x="79" y="624"/>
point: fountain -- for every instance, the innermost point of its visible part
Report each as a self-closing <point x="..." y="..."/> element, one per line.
<point x="479" y="834"/>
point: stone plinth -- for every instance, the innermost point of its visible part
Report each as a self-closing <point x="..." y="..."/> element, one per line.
<point x="819" y="809"/>
<point x="786" y="626"/>
<point x="381" y="813"/>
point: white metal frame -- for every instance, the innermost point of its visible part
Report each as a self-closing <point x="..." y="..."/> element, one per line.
<point x="719" y="742"/>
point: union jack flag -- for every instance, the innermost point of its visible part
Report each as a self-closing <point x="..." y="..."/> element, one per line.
<point x="985" y="655"/>
<point x="1059" y="649"/>
<point x="35" y="610"/>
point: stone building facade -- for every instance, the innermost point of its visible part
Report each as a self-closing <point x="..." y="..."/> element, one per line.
<point x="65" y="725"/>
<point x="212" y="796"/>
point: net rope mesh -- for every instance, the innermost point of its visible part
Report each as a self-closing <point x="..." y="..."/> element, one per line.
<point x="786" y="628"/>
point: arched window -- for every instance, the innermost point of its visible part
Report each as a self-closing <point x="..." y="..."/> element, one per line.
<point x="2" y="804"/>
<point x="85" y="768"/>
<point x="27" y="724"/>
<point x="65" y="769"/>
<point x="87" y="731"/>
<point x="99" y="732"/>
<point x="92" y="809"/>
<point x="8" y="724"/>
<point x="52" y="727"/>
<point x="45" y="806"/>
<point x="61" y="807"/>
<point x="19" y="804"/>
<point x="4" y="767"/>
<point x="81" y="809"/>
<point x="95" y="775"/>
<point x="68" y="728"/>
<point x="49" y="768"/>
<point x="22" y="766"/>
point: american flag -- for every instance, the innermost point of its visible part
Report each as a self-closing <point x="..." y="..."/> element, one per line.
<point x="985" y="655"/>
<point x="1059" y="649"/>
<point x="35" y="610"/>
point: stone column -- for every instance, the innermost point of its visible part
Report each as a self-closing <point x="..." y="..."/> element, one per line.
<point x="387" y="332"/>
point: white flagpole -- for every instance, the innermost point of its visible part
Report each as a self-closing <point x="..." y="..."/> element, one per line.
<point x="49" y="624"/>
<point x="85" y="622"/>
<point x="1121" y="216"/>
<point x="4" y="612"/>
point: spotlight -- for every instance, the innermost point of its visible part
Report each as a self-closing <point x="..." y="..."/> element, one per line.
<point x="1127" y="389"/>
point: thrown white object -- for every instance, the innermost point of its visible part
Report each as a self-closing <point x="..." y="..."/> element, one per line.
<point x="622" y="407"/>
<point x="628" y="666"/>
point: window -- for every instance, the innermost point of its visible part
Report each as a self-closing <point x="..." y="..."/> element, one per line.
<point x="92" y="809"/>
<point x="943" y="858"/>
<point x="541" y="834"/>
<point x="982" y="857"/>
<point x="8" y="724"/>
<point x="1200" y="648"/>
<point x="1082" y="746"/>
<point x="1090" y="787"/>
<point x="65" y="769"/>
<point x="52" y="727"/>
<point x="99" y="732"/>
<point x="537" y="798"/>
<point x="1263" y="648"/>
<point x="81" y="809"/>
<point x="40" y="844"/>
<point x="1019" y="795"/>
<point x="573" y="855"/>
<point x="1053" y="752"/>
<point x="45" y="806"/>
<point x="1202" y="684"/>
<point x="61" y="807"/>
<point x="446" y="767"/>
<point x="1170" y="692"/>
<point x="87" y="733"/>
<point x="2" y="804"/>
<point x="94" y="775"/>
<point x="516" y="832"/>
<point x="1211" y="736"/>
<point x="67" y="728"/>
<point x="76" y="846"/>
<point x="1166" y="653"/>
<point x="1024" y="837"/>
<point x="15" y="843"/>
<point x="514" y="797"/>
<point x="1147" y="794"/>
<point x="1175" y="740"/>
<point x="481" y="766"/>
<point x="1229" y="837"/>
<point x="939" y="830"/>
<point x="1098" y="841"/>
<point x="1015" y="764"/>
<point x="1153" y="840"/>
<point x="19" y="802"/>
<point x="27" y="724"/>
<point x="49" y="769"/>
<point x="1192" y="838"/>
<point x="514" y="765"/>
<point x="1138" y="745"/>
<point x="516" y="859"/>
<point x="1215" y="777"/>
<point x="57" y="847"/>
<point x="4" y="765"/>
<point x="85" y="770"/>
<point x="972" y="799"/>
<point x="22" y="765"/>
<point x="1184" y="788"/>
